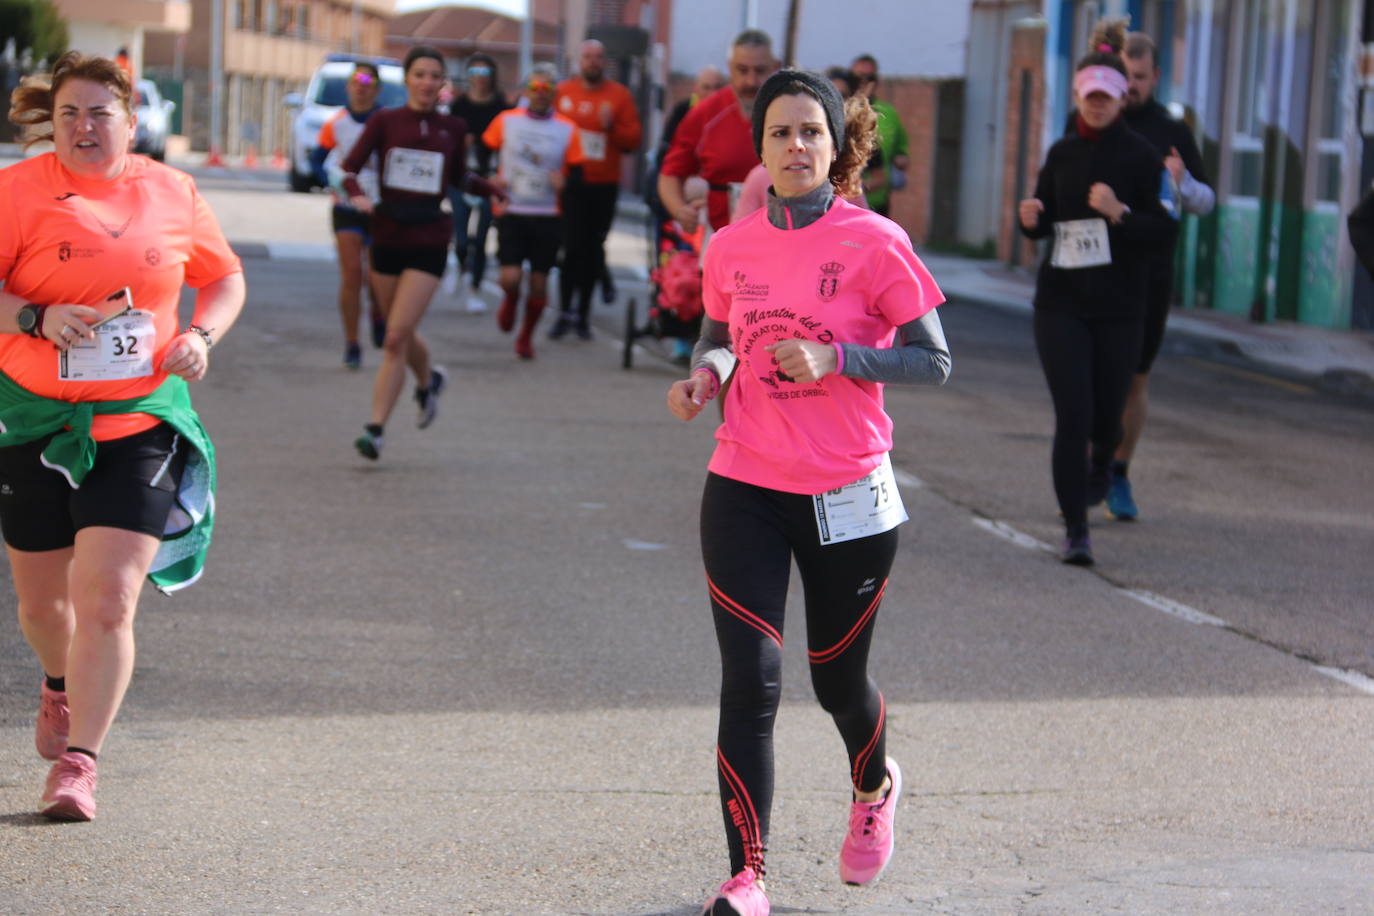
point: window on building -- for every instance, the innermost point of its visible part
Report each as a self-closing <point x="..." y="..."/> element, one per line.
<point x="1333" y="74"/>
<point x="1252" y="100"/>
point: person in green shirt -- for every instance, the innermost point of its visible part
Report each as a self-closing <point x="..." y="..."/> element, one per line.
<point x="892" y="140"/>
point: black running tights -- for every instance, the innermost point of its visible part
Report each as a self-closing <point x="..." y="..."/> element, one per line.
<point x="588" y="211"/>
<point x="1088" y="364"/>
<point x="749" y="536"/>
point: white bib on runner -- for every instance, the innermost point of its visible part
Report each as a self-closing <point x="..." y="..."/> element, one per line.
<point x="1081" y="243"/>
<point x="593" y="144"/>
<point x="530" y="184"/>
<point x="870" y="505"/>
<point x="122" y="349"/>
<point x="417" y="170"/>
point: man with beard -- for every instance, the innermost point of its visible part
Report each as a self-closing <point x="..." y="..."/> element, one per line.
<point x="608" y="127"/>
<point x="715" y="140"/>
<point x="1186" y="180"/>
<point x="893" y="144"/>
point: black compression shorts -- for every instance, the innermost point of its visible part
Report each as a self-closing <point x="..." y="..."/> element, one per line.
<point x="392" y="261"/>
<point x="1159" y="294"/>
<point x="521" y="238"/>
<point x="132" y="487"/>
<point x="347" y="219"/>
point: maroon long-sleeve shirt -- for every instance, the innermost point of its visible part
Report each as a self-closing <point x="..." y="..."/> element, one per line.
<point x="422" y="154"/>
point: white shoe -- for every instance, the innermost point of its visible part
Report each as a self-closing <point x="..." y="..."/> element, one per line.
<point x="475" y="303"/>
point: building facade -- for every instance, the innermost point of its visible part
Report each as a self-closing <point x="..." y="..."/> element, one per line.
<point x="105" y="27"/>
<point x="1271" y="89"/>
<point x="460" y="31"/>
<point x="270" y="48"/>
<point x="923" y="52"/>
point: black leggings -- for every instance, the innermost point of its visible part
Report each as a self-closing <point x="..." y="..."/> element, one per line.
<point x="749" y="536"/>
<point x="588" y="211"/>
<point x="1088" y="364"/>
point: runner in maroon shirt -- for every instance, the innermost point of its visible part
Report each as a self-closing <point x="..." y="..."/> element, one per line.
<point x="422" y="153"/>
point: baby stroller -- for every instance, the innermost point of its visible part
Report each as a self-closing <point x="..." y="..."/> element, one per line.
<point x="675" y="306"/>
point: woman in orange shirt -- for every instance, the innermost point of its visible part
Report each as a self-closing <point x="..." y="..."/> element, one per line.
<point x="99" y="439"/>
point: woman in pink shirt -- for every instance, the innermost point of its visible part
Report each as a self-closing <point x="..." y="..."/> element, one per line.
<point x="813" y="304"/>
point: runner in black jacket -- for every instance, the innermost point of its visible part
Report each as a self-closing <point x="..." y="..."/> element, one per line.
<point x="1098" y="194"/>
<point x="1184" y="177"/>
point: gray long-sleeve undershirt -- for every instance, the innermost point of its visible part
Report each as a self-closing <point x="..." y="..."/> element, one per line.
<point x="921" y="356"/>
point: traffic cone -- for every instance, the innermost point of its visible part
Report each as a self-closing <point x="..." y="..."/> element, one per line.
<point x="250" y="158"/>
<point x="214" y="157"/>
<point x="278" y="160"/>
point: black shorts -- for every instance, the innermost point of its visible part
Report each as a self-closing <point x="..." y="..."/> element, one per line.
<point x="346" y="219"/>
<point x="132" y="486"/>
<point x="521" y="238"/>
<point x="392" y="261"/>
<point x="1159" y="295"/>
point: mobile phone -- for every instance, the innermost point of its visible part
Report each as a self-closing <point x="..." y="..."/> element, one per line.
<point x="124" y="294"/>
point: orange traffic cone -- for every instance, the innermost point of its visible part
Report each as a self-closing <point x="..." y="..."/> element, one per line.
<point x="214" y="157"/>
<point x="250" y="158"/>
<point x="278" y="160"/>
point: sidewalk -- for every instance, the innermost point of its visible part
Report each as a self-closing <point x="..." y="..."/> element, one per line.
<point x="1338" y="361"/>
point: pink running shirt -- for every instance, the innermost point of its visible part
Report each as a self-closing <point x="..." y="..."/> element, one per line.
<point x="850" y="277"/>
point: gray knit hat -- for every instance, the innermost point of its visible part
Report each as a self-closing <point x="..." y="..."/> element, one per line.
<point x="817" y="85"/>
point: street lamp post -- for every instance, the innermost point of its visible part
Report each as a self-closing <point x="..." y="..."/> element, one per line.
<point x="216" y="80"/>
<point x="527" y="40"/>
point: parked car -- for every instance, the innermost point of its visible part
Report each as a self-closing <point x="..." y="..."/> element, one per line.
<point x="326" y="94"/>
<point x="154" y="120"/>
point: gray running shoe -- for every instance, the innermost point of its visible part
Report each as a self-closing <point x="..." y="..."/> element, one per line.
<point x="428" y="398"/>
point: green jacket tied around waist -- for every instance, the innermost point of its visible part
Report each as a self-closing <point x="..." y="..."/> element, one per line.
<point x="25" y="417"/>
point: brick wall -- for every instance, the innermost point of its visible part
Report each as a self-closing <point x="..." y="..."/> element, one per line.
<point x="916" y="101"/>
<point x="1027" y="55"/>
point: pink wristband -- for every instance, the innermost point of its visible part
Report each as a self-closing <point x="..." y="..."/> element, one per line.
<point x="715" y="382"/>
<point x="839" y="358"/>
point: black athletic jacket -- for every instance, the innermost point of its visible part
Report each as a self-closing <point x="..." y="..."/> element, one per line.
<point x="1126" y="162"/>
<point x="1164" y="132"/>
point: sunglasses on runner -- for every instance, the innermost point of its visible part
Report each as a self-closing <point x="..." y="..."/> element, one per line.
<point x="363" y="79"/>
<point x="479" y="71"/>
<point x="539" y="86"/>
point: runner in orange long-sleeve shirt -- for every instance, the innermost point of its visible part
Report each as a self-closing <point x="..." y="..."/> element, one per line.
<point x="608" y="127"/>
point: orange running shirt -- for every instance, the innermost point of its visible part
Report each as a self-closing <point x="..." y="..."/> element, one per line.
<point x="602" y="146"/>
<point x="66" y="239"/>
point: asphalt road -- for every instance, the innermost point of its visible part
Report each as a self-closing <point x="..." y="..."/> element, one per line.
<point x="479" y="676"/>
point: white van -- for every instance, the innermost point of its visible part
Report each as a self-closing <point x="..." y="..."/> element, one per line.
<point x="326" y="94"/>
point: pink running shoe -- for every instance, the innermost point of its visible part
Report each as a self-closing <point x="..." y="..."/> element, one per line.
<point x="70" y="792"/>
<point x="54" y="721"/>
<point x="742" y="895"/>
<point x="868" y="845"/>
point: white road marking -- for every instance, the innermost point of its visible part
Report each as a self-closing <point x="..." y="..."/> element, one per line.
<point x="643" y="545"/>
<point x="1173" y="608"/>
<point x="1346" y="676"/>
<point x="907" y="479"/>
<point x="1008" y="533"/>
